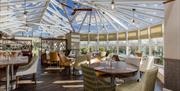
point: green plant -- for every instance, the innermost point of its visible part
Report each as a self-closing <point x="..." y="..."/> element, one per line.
<point x="101" y="49"/>
<point x="84" y="50"/>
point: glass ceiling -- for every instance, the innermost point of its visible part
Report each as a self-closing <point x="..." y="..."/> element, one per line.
<point x="52" y="18"/>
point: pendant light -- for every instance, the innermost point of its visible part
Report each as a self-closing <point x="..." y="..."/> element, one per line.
<point x="25" y="16"/>
<point x="133" y="20"/>
<point x="25" y="12"/>
<point x="112" y="5"/>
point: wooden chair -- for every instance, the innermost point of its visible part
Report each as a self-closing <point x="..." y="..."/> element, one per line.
<point x="115" y="58"/>
<point x="65" y="62"/>
<point x="54" y="58"/>
<point x="30" y="69"/>
<point x="14" y="54"/>
<point x="92" y="83"/>
<point x="1" y="54"/>
<point x="44" y="59"/>
<point x="146" y="84"/>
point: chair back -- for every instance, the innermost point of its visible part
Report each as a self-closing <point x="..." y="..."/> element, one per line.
<point x="54" y="56"/>
<point x="81" y="59"/>
<point x="133" y="60"/>
<point x="43" y="58"/>
<point x="67" y="52"/>
<point x="146" y="63"/>
<point x="102" y="54"/>
<point x="1" y="54"/>
<point x="33" y="65"/>
<point x="149" y="80"/>
<point x="63" y="58"/>
<point x="115" y="58"/>
<point x="89" y="78"/>
<point x="14" y="54"/>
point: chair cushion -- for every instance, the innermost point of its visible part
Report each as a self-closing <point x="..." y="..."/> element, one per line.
<point x="130" y="86"/>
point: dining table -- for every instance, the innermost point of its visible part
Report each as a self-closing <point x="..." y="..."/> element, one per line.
<point x="9" y="63"/>
<point x="115" y="69"/>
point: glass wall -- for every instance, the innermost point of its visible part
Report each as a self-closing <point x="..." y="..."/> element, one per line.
<point x="133" y="47"/>
<point x="148" y="41"/>
<point x="157" y="50"/>
<point x="144" y="47"/>
<point x="122" y="47"/>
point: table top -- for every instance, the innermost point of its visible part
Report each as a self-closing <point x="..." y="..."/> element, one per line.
<point x="117" y="68"/>
<point x="14" y="60"/>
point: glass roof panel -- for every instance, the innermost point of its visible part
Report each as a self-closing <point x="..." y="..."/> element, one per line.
<point x="59" y="17"/>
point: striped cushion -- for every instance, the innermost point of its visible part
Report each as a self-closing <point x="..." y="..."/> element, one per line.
<point x="92" y="83"/>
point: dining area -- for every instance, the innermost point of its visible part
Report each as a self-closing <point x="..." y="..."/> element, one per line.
<point x="100" y="72"/>
<point x="121" y="75"/>
<point x="89" y="45"/>
<point x="105" y="71"/>
<point x="13" y="64"/>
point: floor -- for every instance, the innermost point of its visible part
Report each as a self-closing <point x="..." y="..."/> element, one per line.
<point x="54" y="80"/>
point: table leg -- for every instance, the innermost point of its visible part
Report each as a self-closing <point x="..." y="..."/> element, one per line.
<point x="12" y="77"/>
<point x="113" y="81"/>
<point x="7" y="78"/>
<point x="12" y="71"/>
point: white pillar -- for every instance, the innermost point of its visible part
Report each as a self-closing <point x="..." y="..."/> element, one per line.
<point x="172" y="45"/>
<point x="117" y="45"/>
<point x="107" y="41"/>
<point x="127" y="44"/>
<point x="98" y="42"/>
<point x="139" y="41"/>
<point x="150" y="42"/>
<point x="88" y="41"/>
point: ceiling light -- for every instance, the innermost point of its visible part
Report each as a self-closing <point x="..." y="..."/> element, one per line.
<point x="25" y="14"/>
<point x="133" y="20"/>
<point x="112" y="5"/>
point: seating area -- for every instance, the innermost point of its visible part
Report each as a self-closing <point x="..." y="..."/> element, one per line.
<point x="89" y="45"/>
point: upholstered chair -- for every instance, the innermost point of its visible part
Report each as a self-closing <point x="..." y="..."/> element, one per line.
<point x="44" y="59"/>
<point x="54" y="58"/>
<point x="29" y="69"/>
<point x="65" y="62"/>
<point x="146" y="84"/>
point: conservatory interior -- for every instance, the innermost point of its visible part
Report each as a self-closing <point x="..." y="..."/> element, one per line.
<point x="89" y="45"/>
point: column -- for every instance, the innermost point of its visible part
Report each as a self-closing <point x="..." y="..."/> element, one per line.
<point x="172" y="45"/>
<point x="139" y="41"/>
<point x="149" y="37"/>
<point x="107" y="40"/>
<point x="117" y="46"/>
<point x="127" y="44"/>
<point x="98" y="41"/>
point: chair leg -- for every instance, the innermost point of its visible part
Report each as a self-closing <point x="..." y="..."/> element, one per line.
<point x="69" y="70"/>
<point x="34" y="78"/>
<point x="73" y="71"/>
<point x="17" y="81"/>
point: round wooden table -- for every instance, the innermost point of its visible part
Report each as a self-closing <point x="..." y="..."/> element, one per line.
<point x="115" y="69"/>
<point x="9" y="62"/>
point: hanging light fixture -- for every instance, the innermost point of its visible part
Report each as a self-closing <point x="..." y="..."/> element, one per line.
<point x="133" y="20"/>
<point x="112" y="4"/>
<point x="25" y="16"/>
<point x="25" y="12"/>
